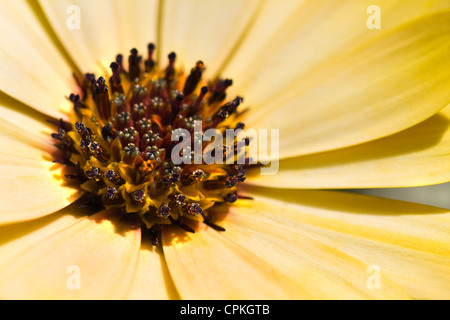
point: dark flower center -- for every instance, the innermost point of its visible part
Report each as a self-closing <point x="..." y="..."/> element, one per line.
<point x="121" y="150"/>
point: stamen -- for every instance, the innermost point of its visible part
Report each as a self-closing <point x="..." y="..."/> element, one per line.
<point x="164" y="211"/>
<point x="199" y="100"/>
<point x="133" y="66"/>
<point x="111" y="193"/>
<point x="231" y="197"/>
<point x="207" y="221"/>
<point x="218" y="91"/>
<point x="170" y="71"/>
<point x="77" y="103"/>
<point x="150" y="63"/>
<point x="194" y="209"/>
<point x="114" y="80"/>
<point x="102" y="99"/>
<point x="194" y="78"/>
<point x="119" y="60"/>
<point x="139" y="195"/>
<point x="94" y="173"/>
<point x="180" y="224"/>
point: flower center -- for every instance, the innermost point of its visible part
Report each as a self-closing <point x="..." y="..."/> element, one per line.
<point x="121" y="147"/>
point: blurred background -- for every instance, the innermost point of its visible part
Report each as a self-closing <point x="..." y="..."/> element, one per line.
<point x="435" y="195"/>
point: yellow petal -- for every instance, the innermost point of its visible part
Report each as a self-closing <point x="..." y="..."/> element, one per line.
<point x="324" y="271"/>
<point x="408" y="242"/>
<point x="16" y="238"/>
<point x="388" y="84"/>
<point x="206" y="265"/>
<point x="415" y="157"/>
<point x="152" y="280"/>
<point x="106" y="28"/>
<point x="268" y="25"/>
<point x="291" y="38"/>
<point x="32" y="69"/>
<point x="204" y="30"/>
<point x="94" y="258"/>
<point x="31" y="185"/>
<point x="26" y="118"/>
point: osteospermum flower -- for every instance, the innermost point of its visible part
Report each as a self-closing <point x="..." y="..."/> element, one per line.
<point x="95" y="207"/>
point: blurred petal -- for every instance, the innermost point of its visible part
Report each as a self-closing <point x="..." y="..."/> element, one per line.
<point x="204" y="30"/>
<point x="408" y="242"/>
<point x="152" y="280"/>
<point x="33" y="71"/>
<point x="103" y="251"/>
<point x="415" y="157"/>
<point x="324" y="271"/>
<point x="387" y="85"/>
<point x="25" y="117"/>
<point x="106" y="29"/>
<point x="268" y="26"/>
<point x="206" y="265"/>
<point x="31" y="185"/>
<point x="291" y="38"/>
<point x="16" y="238"/>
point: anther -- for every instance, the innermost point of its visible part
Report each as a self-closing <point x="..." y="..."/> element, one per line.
<point x="102" y="99"/>
<point x="176" y="105"/>
<point x="111" y="193"/>
<point x="218" y="93"/>
<point x="119" y="60"/>
<point x="82" y="130"/>
<point x="97" y="151"/>
<point x="133" y="65"/>
<point x="139" y="195"/>
<point x="180" y="224"/>
<point x="196" y="105"/>
<point x="114" y="177"/>
<point x="164" y="211"/>
<point x="77" y="103"/>
<point x="108" y="133"/>
<point x="94" y="173"/>
<point x="194" y="209"/>
<point x="170" y="70"/>
<point x="180" y="199"/>
<point x="239" y="126"/>
<point x="61" y="135"/>
<point x="150" y="63"/>
<point x="225" y="111"/>
<point x="231" y="197"/>
<point x="171" y="173"/>
<point x="194" y="78"/>
<point x="195" y="176"/>
<point x="114" y="80"/>
<point x="207" y="221"/>
<point x="90" y="81"/>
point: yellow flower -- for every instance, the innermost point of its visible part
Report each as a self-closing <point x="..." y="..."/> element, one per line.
<point x="356" y="108"/>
